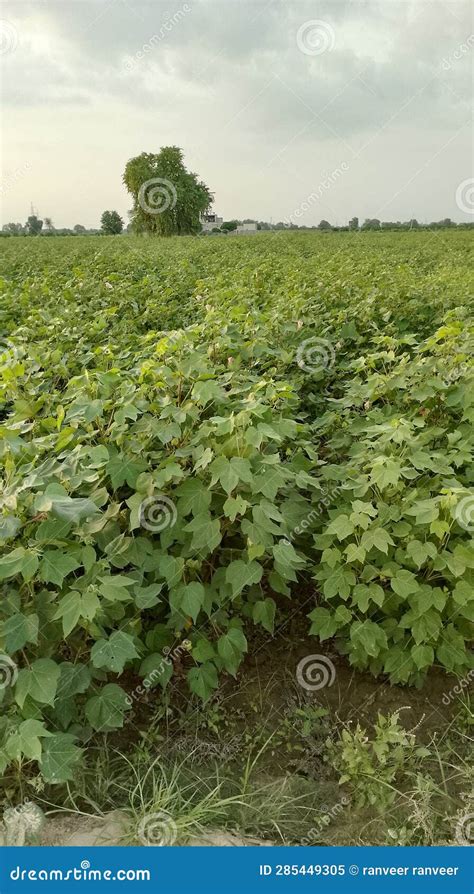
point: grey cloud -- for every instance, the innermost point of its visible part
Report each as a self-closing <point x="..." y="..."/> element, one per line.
<point x="229" y="76"/>
<point x="221" y="45"/>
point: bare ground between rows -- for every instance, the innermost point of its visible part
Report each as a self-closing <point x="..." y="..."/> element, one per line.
<point x="267" y="691"/>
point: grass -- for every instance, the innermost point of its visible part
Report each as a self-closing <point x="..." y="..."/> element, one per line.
<point x="419" y="795"/>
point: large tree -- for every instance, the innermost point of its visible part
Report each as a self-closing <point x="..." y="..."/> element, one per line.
<point x="167" y="199"/>
<point x="34" y="225"/>
<point x="111" y="223"/>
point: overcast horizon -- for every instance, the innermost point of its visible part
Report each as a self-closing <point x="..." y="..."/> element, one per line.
<point x="287" y="109"/>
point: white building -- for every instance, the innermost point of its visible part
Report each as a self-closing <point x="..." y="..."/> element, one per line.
<point x="246" y="229"/>
<point x="210" y="222"/>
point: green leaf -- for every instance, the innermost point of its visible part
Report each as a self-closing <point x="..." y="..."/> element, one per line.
<point x="231" y="648"/>
<point x="206" y="532"/>
<point x="425" y="511"/>
<point x="20" y="629"/>
<point x="171" y="569"/>
<point x="264" y="613"/>
<point x="75" y="605"/>
<point x="204" y="392"/>
<point x="114" y="653"/>
<point x="369" y="637"/>
<point x="223" y="471"/>
<point x="74" y="679"/>
<point x="355" y="553"/>
<point x="69" y="610"/>
<point x="69" y="509"/>
<point x="59" y="758"/>
<point x="56" y="565"/>
<point x="194" y="497"/>
<point x="269" y="483"/>
<point x="423" y="656"/>
<point x="404" y="583"/>
<point x="235" y="506"/>
<point x="203" y="458"/>
<point x="359" y="506"/>
<point x="156" y="668"/>
<point x="107" y="710"/>
<point x="341" y="526"/>
<point x="399" y="664"/>
<point x="451" y="650"/>
<point x="241" y="574"/>
<point x="286" y="557"/>
<point x="25" y="741"/>
<point x="363" y="594"/>
<point x="9" y="526"/>
<point x="147" y="597"/>
<point x="122" y="468"/>
<point x="203" y="680"/>
<point x="360" y="596"/>
<point x="385" y="472"/>
<point x="203" y="650"/>
<point x="378" y="538"/>
<point x="242" y="467"/>
<point x="39" y="682"/>
<point x="167" y="431"/>
<point x="427" y="627"/>
<point x="463" y="593"/>
<point x="324" y="624"/>
<point x="19" y="561"/>
<point x="188" y="599"/>
<point x="419" y="552"/>
<point x="343" y="616"/>
<point x="115" y="587"/>
<point x="339" y="583"/>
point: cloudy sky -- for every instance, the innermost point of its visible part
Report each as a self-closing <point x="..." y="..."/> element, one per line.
<point x="286" y="108"/>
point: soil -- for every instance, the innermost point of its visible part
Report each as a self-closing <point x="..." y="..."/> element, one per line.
<point x="267" y="701"/>
<point x="115" y="830"/>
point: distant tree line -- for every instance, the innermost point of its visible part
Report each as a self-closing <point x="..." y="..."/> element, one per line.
<point x="112" y="225"/>
<point x="369" y="224"/>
